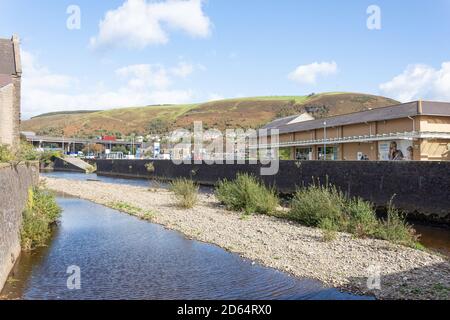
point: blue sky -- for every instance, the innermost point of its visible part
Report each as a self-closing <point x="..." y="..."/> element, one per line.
<point x="149" y="52"/>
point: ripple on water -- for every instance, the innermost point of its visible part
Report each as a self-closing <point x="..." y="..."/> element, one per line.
<point x="122" y="257"/>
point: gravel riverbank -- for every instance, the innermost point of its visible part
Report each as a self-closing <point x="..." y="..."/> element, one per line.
<point x="345" y="263"/>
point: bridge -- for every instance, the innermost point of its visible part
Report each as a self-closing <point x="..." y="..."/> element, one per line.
<point x="75" y="144"/>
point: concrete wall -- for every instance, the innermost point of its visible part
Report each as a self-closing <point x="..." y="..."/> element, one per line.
<point x="61" y="165"/>
<point x="14" y="184"/>
<point x="422" y="188"/>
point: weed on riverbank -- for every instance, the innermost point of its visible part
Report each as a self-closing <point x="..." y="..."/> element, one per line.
<point x="132" y="210"/>
<point x="41" y="212"/>
<point x="328" y="208"/>
<point x="247" y="194"/>
<point x="186" y="192"/>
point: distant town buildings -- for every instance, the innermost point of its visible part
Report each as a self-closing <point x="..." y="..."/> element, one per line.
<point x="10" y="86"/>
<point x="417" y="130"/>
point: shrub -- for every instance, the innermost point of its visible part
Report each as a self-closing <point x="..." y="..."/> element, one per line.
<point x="24" y="152"/>
<point x="41" y="212"/>
<point x="329" y="209"/>
<point x="247" y="194"/>
<point x="361" y="218"/>
<point x="46" y="157"/>
<point x="395" y="229"/>
<point x="329" y="229"/>
<point x="5" y="153"/>
<point x="186" y="192"/>
<point x="313" y="204"/>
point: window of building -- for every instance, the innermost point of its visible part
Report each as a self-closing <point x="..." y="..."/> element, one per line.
<point x="331" y="153"/>
<point x="303" y="154"/>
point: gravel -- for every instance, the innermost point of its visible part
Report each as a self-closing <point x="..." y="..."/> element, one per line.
<point x="347" y="263"/>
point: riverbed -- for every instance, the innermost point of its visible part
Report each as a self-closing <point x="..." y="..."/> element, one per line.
<point x="122" y="257"/>
<point x="434" y="237"/>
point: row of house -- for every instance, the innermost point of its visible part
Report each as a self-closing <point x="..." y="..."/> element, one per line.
<point x="418" y="130"/>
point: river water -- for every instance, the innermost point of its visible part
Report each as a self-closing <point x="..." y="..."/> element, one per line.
<point x="122" y="257"/>
<point x="433" y="237"/>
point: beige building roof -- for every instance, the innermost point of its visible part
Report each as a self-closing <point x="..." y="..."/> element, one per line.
<point x="404" y="110"/>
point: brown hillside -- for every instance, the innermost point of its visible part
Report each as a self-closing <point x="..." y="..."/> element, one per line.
<point x="233" y="113"/>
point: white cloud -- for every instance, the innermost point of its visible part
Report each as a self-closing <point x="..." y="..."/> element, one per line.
<point x="44" y="91"/>
<point x="183" y="70"/>
<point x="145" y="75"/>
<point x="419" y="81"/>
<point x="139" y="23"/>
<point x="308" y="74"/>
<point x="37" y="76"/>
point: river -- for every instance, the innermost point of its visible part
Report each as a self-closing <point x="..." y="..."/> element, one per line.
<point x="432" y="236"/>
<point x="122" y="257"/>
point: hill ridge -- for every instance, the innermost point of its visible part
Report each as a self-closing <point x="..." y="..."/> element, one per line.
<point x="247" y="112"/>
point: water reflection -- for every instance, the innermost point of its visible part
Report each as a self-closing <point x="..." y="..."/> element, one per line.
<point x="122" y="257"/>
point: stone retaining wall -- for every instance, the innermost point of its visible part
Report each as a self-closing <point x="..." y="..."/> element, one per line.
<point x="421" y="188"/>
<point x="14" y="184"/>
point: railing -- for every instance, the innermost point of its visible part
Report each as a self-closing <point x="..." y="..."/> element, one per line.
<point x="364" y="138"/>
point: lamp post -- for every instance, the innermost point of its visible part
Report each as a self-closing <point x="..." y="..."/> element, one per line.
<point x="325" y="140"/>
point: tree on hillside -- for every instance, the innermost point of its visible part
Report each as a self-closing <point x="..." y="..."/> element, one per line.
<point x="158" y="126"/>
<point x="93" y="148"/>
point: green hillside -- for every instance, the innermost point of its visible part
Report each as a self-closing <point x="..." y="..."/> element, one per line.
<point x="244" y="113"/>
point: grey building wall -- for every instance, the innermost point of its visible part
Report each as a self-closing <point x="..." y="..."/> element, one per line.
<point x="14" y="185"/>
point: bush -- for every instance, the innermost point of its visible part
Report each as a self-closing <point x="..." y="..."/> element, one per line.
<point x="362" y="220"/>
<point x="313" y="204"/>
<point x="47" y="157"/>
<point x="247" y="194"/>
<point x="186" y="192"/>
<point x="329" y="209"/>
<point x="25" y="152"/>
<point x="41" y="212"/>
<point x="395" y="229"/>
<point x="329" y="229"/>
<point x="5" y="154"/>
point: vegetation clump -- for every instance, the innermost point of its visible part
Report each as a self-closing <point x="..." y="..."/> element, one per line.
<point x="40" y="214"/>
<point x="23" y="152"/>
<point x="186" y="192"/>
<point x="247" y="194"/>
<point x="132" y="210"/>
<point x="328" y="208"/>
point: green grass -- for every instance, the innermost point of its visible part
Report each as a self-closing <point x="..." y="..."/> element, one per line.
<point x="247" y="194"/>
<point x="186" y="192"/>
<point x="132" y="210"/>
<point x="41" y="212"/>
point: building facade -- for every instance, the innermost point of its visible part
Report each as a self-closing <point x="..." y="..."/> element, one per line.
<point x="417" y="131"/>
<point x="10" y="87"/>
